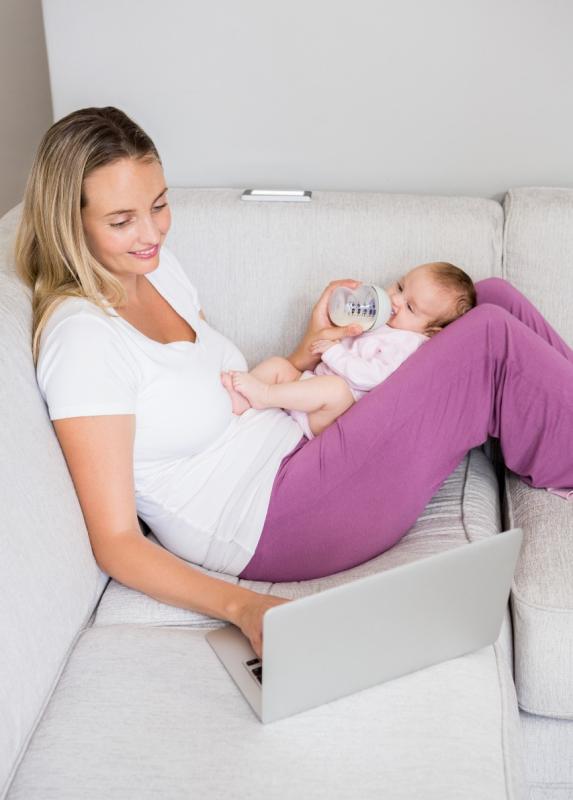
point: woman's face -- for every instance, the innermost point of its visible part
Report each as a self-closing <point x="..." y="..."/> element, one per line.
<point x="126" y="217"/>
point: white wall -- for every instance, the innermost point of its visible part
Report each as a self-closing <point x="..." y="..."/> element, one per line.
<point x="447" y="96"/>
<point x="25" y="103"/>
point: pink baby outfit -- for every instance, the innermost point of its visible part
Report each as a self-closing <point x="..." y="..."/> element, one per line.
<point x="363" y="361"/>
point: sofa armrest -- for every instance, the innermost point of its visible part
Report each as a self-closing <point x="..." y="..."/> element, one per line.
<point x="542" y="598"/>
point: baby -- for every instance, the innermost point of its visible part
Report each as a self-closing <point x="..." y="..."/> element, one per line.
<point x="424" y="301"/>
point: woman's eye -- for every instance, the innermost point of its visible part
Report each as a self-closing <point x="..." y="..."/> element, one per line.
<point x="125" y="221"/>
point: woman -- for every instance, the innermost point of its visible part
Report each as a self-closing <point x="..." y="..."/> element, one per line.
<point x="107" y="339"/>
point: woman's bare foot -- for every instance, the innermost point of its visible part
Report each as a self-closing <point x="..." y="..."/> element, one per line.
<point x="256" y="392"/>
<point x="239" y="403"/>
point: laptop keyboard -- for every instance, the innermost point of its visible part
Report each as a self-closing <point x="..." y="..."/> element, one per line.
<point x="255" y="667"/>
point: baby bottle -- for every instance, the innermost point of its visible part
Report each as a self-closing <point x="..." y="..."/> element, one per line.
<point x="368" y="306"/>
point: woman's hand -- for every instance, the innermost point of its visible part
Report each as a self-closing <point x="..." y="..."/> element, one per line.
<point x="250" y="618"/>
<point x="319" y="319"/>
<point x="320" y="327"/>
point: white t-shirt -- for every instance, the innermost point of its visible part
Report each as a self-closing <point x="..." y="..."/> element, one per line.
<point x="203" y="476"/>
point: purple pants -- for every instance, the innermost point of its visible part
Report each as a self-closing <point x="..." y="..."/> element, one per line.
<point x="354" y="491"/>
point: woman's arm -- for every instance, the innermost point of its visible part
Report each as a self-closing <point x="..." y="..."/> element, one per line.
<point x="320" y="327"/>
<point x="141" y="564"/>
<point x="99" y="454"/>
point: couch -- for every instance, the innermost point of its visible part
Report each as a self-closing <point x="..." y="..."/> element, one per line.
<point x="106" y="692"/>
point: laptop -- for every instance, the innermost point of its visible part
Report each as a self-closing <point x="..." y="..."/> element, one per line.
<point x="348" y="638"/>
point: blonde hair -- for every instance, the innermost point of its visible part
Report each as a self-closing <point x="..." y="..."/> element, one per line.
<point x="51" y="253"/>
<point x="458" y="283"/>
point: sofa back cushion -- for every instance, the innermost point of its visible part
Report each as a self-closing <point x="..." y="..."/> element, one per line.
<point x="260" y="266"/>
<point x="538" y="251"/>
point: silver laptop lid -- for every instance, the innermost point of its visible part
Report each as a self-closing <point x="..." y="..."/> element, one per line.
<point x="339" y="641"/>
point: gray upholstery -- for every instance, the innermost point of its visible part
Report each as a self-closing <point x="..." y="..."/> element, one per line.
<point x="108" y="692"/>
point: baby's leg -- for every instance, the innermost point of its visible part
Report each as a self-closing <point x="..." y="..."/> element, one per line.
<point x="272" y="370"/>
<point x="340" y="401"/>
<point x="276" y="370"/>
<point x="324" y="397"/>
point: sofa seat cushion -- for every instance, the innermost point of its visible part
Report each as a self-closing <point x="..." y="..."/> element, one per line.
<point x="542" y="599"/>
<point x="148" y="711"/>
<point x="549" y="764"/>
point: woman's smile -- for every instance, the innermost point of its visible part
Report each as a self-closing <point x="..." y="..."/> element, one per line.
<point x="145" y="253"/>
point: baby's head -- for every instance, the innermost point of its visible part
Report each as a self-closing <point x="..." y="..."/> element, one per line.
<point x="429" y="297"/>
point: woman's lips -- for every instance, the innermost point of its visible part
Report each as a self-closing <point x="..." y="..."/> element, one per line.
<point x="145" y="253"/>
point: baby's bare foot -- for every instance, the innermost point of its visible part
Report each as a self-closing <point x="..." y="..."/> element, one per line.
<point x="239" y="403"/>
<point x="256" y="392"/>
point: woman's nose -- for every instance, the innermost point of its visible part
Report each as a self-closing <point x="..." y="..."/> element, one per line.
<point x="149" y="232"/>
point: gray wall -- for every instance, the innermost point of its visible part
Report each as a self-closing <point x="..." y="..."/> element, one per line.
<point x="25" y="103"/>
<point x="446" y="96"/>
<point x="449" y="96"/>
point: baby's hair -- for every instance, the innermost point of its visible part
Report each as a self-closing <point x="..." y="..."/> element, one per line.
<point x="458" y="283"/>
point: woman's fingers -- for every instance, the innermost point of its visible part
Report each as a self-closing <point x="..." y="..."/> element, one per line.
<point x="351" y="283"/>
<point x="251" y="620"/>
<point x="257" y="644"/>
<point x="320" y="316"/>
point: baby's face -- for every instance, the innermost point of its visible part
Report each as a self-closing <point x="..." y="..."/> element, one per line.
<point x="416" y="300"/>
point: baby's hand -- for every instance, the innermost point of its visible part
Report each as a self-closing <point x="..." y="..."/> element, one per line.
<point x="322" y="345"/>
